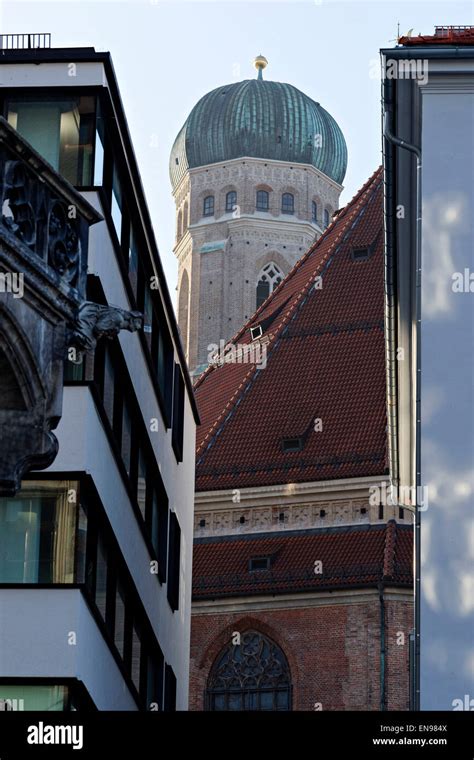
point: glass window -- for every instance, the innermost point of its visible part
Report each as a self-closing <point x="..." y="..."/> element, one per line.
<point x="326" y="218"/>
<point x="154" y="682"/>
<point x="252" y="675"/>
<point x="148" y="313"/>
<point x="74" y="369"/>
<point x="99" y="148"/>
<point x="37" y="533"/>
<point x="116" y="205"/>
<point x="164" y="371"/>
<point x="126" y="437"/>
<point x="136" y="655"/>
<point x="101" y="578"/>
<point x="208" y="207"/>
<point x="109" y="387"/>
<point x="269" y="278"/>
<point x="178" y="413"/>
<point x="174" y="562"/>
<point x="16" y="697"/>
<point x="81" y="545"/>
<point x="60" y="129"/>
<point x="119" y="629"/>
<point x="287" y="203"/>
<point x="133" y="262"/>
<point x="141" y="482"/>
<point x="231" y="201"/>
<point x="263" y="291"/>
<point x="262" y="200"/>
<point x="314" y="212"/>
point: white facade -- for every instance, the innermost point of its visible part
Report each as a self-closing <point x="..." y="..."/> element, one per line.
<point x="88" y="449"/>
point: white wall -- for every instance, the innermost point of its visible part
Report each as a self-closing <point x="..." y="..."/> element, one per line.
<point x="35" y="631"/>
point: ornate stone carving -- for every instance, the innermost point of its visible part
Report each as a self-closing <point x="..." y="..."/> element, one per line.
<point x="95" y="321"/>
<point x="47" y="224"/>
<point x="43" y="240"/>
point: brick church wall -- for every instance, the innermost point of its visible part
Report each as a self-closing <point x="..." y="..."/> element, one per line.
<point x="333" y="652"/>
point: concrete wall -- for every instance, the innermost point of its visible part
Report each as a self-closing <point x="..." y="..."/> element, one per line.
<point x="37" y="628"/>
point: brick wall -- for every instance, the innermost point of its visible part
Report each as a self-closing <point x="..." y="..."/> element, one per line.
<point x="333" y="652"/>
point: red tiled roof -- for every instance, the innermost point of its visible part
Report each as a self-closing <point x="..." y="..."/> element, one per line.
<point x="447" y="35"/>
<point x="361" y="556"/>
<point x="325" y="360"/>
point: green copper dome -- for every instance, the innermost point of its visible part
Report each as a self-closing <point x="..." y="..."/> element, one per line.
<point x="260" y="119"/>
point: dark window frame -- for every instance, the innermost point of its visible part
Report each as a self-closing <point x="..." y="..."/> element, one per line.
<point x="174" y="562"/>
<point x="231" y="201"/>
<point x="262" y="200"/>
<point x="208" y="205"/>
<point x="287" y="203"/>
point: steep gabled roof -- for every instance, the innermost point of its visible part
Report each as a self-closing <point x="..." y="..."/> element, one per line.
<point x="325" y="361"/>
<point x="362" y="556"/>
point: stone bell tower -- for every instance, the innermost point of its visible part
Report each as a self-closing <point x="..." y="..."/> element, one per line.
<point x="256" y="172"/>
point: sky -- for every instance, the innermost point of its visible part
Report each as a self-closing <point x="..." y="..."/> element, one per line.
<point x="168" y="53"/>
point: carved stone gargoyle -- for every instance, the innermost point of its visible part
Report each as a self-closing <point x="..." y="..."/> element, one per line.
<point x="95" y="321"/>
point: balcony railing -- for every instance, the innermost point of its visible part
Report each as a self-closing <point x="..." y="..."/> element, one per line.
<point x="25" y="41"/>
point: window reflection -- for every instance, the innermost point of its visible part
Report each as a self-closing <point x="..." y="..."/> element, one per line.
<point x="37" y="533"/>
<point x="61" y="130"/>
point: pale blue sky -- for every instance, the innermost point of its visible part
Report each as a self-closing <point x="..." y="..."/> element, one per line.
<point x="168" y="54"/>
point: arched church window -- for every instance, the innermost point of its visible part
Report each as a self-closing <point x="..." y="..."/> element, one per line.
<point x="314" y="212"/>
<point x="270" y="276"/>
<point x="231" y="201"/>
<point x="179" y="231"/>
<point x="208" y="208"/>
<point x="263" y="203"/>
<point x="287" y="203"/>
<point x="326" y="218"/>
<point x="251" y="675"/>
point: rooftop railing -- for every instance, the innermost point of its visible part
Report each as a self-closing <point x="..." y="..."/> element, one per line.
<point x="25" y="41"/>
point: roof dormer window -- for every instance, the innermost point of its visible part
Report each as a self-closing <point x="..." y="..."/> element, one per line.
<point x="259" y="563"/>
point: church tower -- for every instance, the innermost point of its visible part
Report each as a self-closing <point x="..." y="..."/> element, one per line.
<point x="256" y="173"/>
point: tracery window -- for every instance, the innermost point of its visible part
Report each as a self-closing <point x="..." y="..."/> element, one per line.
<point x="268" y="279"/>
<point x="251" y="675"/>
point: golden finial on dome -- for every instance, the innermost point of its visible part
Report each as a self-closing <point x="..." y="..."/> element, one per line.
<point x="260" y="63"/>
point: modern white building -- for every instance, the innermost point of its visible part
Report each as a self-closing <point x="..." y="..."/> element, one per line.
<point x="95" y="552"/>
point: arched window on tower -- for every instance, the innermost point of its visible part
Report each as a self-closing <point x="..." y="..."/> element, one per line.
<point x="231" y="201"/>
<point x="185" y="217"/>
<point x="179" y="229"/>
<point x="263" y="200"/>
<point x="287" y="203"/>
<point x="326" y="218"/>
<point x="314" y="212"/>
<point x="251" y="675"/>
<point x="270" y="276"/>
<point x="208" y="206"/>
